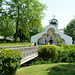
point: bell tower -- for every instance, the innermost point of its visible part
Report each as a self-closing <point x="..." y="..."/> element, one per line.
<point x="53" y="21"/>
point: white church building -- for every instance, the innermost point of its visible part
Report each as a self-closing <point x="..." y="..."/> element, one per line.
<point x="51" y="34"/>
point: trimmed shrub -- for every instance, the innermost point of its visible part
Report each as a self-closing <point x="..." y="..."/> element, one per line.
<point x="9" y="61"/>
<point x="48" y="52"/>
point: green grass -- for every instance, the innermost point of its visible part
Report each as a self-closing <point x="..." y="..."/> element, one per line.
<point x="48" y="69"/>
<point x="13" y="44"/>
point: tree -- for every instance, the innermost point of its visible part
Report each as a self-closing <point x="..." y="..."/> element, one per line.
<point x="23" y="35"/>
<point x="6" y="24"/>
<point x="35" y="30"/>
<point x="7" y="28"/>
<point x="26" y="13"/>
<point x="70" y="29"/>
<point x="58" y="41"/>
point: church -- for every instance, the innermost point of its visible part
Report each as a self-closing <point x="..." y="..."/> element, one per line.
<point x="51" y="34"/>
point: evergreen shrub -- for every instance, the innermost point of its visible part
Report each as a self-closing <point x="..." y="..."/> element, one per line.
<point x="9" y="61"/>
<point x="48" y="52"/>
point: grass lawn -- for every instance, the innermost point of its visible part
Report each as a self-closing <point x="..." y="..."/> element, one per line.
<point x="13" y="44"/>
<point x="48" y="69"/>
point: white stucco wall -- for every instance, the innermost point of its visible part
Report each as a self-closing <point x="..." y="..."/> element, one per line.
<point x="68" y="39"/>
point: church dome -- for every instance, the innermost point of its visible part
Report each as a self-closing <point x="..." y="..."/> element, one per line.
<point x="53" y="22"/>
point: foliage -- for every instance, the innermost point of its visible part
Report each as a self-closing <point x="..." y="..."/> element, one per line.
<point x="68" y="47"/>
<point x="37" y="30"/>
<point x="27" y="15"/>
<point x="48" y="52"/>
<point x="18" y="39"/>
<point x="66" y="56"/>
<point x="40" y="61"/>
<point x="66" y="53"/>
<point x="58" y="41"/>
<point x="70" y="29"/>
<point x="9" y="61"/>
<point x="23" y="35"/>
<point x="7" y="27"/>
<point x="63" y="53"/>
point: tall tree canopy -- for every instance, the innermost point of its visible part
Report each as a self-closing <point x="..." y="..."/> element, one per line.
<point x="27" y="15"/>
<point x="7" y="28"/>
<point x="70" y="29"/>
<point x="6" y="24"/>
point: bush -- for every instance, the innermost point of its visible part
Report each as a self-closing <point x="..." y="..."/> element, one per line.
<point x="69" y="47"/>
<point x="9" y="61"/>
<point x="18" y="39"/>
<point x="66" y="56"/>
<point x="58" y="41"/>
<point x="48" y="52"/>
<point x="64" y="53"/>
<point x="54" y="54"/>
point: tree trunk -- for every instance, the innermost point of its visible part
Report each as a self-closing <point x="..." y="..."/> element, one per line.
<point x="16" y="31"/>
<point x="73" y="41"/>
<point x="4" y="38"/>
<point x="17" y="24"/>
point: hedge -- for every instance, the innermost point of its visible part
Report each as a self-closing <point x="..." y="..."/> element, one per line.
<point x="48" y="52"/>
<point x="66" y="56"/>
<point x="9" y="61"/>
<point x="63" y="53"/>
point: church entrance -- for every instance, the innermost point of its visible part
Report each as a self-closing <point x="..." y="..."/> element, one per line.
<point x="50" y="41"/>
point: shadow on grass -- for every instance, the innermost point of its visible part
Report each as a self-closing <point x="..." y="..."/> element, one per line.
<point x="64" y="69"/>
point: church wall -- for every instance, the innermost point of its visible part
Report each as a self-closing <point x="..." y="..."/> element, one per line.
<point x="68" y="39"/>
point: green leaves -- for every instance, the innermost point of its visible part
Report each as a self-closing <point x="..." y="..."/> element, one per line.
<point x="9" y="61"/>
<point x="70" y="29"/>
<point x="7" y="27"/>
<point x="16" y="1"/>
<point x="27" y="15"/>
<point x="48" y="52"/>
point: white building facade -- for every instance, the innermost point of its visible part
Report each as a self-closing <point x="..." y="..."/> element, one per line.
<point x="51" y="34"/>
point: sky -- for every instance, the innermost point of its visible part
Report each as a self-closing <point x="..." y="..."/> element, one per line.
<point x="64" y="11"/>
